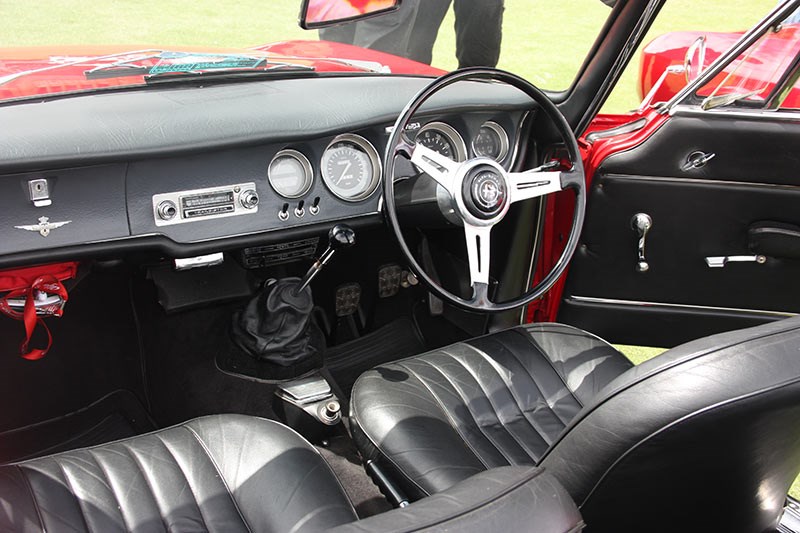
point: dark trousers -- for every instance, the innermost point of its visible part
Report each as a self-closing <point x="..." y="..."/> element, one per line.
<point x="479" y="25"/>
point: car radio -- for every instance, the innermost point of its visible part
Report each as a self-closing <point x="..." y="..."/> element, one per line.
<point x="203" y="204"/>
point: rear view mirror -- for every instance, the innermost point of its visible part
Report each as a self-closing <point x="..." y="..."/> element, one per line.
<point x="324" y="13"/>
<point x="695" y="58"/>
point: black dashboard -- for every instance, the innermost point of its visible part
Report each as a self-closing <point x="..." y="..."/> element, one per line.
<point x="189" y="170"/>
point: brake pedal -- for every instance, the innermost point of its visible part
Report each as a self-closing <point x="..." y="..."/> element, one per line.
<point x="389" y="279"/>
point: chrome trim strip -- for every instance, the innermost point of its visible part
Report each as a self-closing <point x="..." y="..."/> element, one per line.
<point x="635" y="303"/>
<point x="685" y="110"/>
<point x="701" y="181"/>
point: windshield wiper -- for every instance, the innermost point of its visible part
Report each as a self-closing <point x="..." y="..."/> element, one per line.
<point x="226" y="73"/>
<point x="710" y="102"/>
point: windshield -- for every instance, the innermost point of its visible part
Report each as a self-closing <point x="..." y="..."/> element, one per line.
<point x="56" y="46"/>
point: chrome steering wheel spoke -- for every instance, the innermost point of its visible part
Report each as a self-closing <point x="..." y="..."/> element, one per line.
<point x="531" y="184"/>
<point x="478" y="252"/>
<point x="441" y="168"/>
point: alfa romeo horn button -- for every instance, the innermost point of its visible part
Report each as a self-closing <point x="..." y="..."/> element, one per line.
<point x="487" y="194"/>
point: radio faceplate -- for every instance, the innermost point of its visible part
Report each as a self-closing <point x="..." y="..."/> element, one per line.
<point x="204" y="204"/>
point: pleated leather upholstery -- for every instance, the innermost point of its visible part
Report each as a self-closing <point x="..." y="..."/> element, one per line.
<point x="497" y="400"/>
<point x="224" y="473"/>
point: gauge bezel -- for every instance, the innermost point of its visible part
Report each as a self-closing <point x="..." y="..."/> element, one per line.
<point x="374" y="158"/>
<point x="501" y="133"/>
<point x="307" y="168"/>
<point x="452" y="135"/>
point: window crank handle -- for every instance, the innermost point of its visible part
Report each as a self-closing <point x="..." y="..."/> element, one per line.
<point x="641" y="224"/>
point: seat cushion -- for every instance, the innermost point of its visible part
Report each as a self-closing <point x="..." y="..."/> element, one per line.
<point x="502" y="399"/>
<point x="219" y="473"/>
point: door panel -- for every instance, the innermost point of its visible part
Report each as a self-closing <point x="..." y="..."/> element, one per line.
<point x="754" y="177"/>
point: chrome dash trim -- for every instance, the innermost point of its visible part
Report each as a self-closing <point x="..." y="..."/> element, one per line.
<point x="636" y="303"/>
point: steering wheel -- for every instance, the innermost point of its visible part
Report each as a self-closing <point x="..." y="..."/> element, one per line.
<point x="480" y="191"/>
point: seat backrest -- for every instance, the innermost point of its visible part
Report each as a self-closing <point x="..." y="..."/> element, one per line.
<point x="706" y="434"/>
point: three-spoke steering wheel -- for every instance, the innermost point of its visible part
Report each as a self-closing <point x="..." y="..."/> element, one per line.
<point x="480" y="191"/>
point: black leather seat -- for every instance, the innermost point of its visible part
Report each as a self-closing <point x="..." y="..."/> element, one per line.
<point x="705" y="436"/>
<point x="231" y="473"/>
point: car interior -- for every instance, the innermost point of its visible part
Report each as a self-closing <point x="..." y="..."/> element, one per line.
<point x="380" y="303"/>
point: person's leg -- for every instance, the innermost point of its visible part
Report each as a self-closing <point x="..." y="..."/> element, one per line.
<point x="390" y="32"/>
<point x="426" y="27"/>
<point x="343" y="33"/>
<point x="479" y="27"/>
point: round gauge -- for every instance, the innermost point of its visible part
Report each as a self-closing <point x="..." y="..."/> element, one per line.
<point x="491" y="141"/>
<point x="443" y="138"/>
<point x="290" y="174"/>
<point x="350" y="167"/>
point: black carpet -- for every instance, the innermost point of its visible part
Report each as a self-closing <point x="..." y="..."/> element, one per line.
<point x="395" y="340"/>
<point x="115" y="416"/>
<point x="341" y="455"/>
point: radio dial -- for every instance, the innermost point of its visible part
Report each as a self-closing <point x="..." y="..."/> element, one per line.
<point x="249" y="199"/>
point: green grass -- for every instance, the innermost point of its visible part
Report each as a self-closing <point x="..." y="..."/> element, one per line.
<point x="544" y="42"/>
<point x="639" y="354"/>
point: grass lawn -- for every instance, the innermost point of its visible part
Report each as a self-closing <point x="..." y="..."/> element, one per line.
<point x="544" y="42"/>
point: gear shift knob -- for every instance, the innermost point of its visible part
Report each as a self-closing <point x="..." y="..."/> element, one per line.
<point x="340" y="236"/>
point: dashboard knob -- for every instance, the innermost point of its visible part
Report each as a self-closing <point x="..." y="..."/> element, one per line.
<point x="249" y="199"/>
<point x="167" y="210"/>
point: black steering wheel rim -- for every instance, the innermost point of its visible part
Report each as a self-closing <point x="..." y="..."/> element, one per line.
<point x="573" y="178"/>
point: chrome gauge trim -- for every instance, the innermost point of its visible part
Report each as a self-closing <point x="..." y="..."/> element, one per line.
<point x="451" y="134"/>
<point x="374" y="158"/>
<point x="304" y="162"/>
<point x="502" y="134"/>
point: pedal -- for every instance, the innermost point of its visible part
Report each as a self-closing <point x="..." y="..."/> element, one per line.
<point x="348" y="296"/>
<point x="389" y="280"/>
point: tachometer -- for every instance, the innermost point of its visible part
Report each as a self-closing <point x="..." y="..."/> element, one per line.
<point x="351" y="167"/>
<point x="491" y="141"/>
<point x="290" y="174"/>
<point x="443" y="138"/>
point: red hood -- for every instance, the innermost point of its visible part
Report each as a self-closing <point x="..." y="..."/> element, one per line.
<point x="71" y="77"/>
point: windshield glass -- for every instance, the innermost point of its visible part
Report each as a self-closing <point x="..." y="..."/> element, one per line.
<point x="53" y="46"/>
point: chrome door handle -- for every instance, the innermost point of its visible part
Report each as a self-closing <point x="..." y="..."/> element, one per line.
<point x="696" y="160"/>
<point x="722" y="260"/>
<point x="641" y="224"/>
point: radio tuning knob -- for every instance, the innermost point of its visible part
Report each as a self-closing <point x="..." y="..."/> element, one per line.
<point x="167" y="210"/>
<point x="249" y="199"/>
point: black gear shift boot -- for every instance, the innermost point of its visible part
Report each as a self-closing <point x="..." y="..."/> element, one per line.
<point x="276" y="325"/>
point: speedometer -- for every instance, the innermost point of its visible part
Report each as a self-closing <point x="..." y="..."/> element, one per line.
<point x="444" y="139"/>
<point x="351" y="168"/>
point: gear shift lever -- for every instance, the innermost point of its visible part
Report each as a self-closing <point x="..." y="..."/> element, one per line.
<point x="340" y="236"/>
<point x="276" y="326"/>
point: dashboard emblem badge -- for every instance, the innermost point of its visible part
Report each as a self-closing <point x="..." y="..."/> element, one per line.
<point x="44" y="226"/>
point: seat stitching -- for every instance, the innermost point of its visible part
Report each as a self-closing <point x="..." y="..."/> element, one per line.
<point x="188" y="483"/>
<point x="219" y="473"/>
<point x="466" y="404"/>
<point x="446" y="414"/>
<point x="33" y="496"/>
<point x="111" y="488"/>
<point x="135" y="459"/>
<point x="549" y="361"/>
<point x="72" y="490"/>
<point x="512" y="391"/>
<point x="488" y="398"/>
